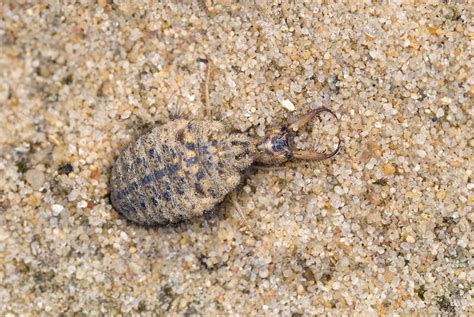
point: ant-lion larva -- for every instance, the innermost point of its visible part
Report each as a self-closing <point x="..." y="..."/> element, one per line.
<point x="179" y="170"/>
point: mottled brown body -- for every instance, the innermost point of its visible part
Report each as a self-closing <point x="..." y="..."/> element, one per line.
<point x="178" y="171"/>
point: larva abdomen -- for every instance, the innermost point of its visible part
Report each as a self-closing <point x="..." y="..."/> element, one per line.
<point x="178" y="171"/>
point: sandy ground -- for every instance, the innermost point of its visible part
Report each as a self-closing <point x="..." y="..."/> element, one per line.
<point x="384" y="228"/>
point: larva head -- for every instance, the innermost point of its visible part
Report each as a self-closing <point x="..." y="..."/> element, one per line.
<point x="275" y="148"/>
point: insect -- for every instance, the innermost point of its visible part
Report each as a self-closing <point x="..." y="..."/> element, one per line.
<point x="184" y="168"/>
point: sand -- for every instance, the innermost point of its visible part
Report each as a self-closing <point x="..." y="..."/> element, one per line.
<point x="384" y="228"/>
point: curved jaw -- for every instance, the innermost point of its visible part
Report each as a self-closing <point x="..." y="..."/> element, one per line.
<point x="276" y="149"/>
<point x="304" y="120"/>
<point x="313" y="155"/>
<point x="316" y="156"/>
